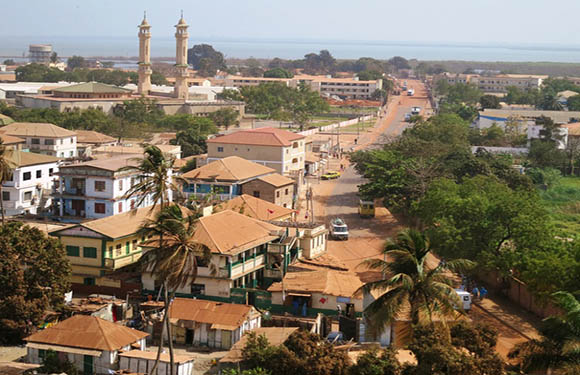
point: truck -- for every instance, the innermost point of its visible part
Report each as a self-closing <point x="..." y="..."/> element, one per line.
<point x="415" y="110"/>
<point x="338" y="229"/>
<point x="411" y="92"/>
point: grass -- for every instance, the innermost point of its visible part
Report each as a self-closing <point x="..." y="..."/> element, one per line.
<point x="563" y="203"/>
<point x="362" y="126"/>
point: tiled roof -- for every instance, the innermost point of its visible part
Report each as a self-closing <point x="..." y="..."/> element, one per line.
<point x="227" y="315"/>
<point x="276" y="180"/>
<point x="334" y="283"/>
<point x="23" y="159"/>
<point x="256" y="208"/>
<point x="229" y="232"/>
<point x="142" y="354"/>
<point x="261" y="136"/>
<point x="36" y="129"/>
<point x="10" y="140"/>
<point x="232" y="168"/>
<point x="88" y="332"/>
<point x="91" y="136"/>
<point x="93" y="88"/>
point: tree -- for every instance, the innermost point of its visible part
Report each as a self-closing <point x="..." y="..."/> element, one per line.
<point x="175" y="259"/>
<point x="205" y="59"/>
<point x="225" y="117"/>
<point x="54" y="58"/>
<point x="369" y="75"/>
<point x="34" y="276"/>
<point x="410" y="281"/>
<point x="157" y="78"/>
<point x="374" y="362"/>
<point x="189" y="166"/>
<point x="399" y="63"/>
<point x="52" y="364"/>
<point x="573" y="153"/>
<point x="6" y="169"/>
<point x="573" y="103"/>
<point x="138" y="111"/>
<point x="490" y="101"/>
<point x="191" y="142"/>
<point x="9" y="62"/>
<point x="549" y="102"/>
<point x="76" y="62"/>
<point x="558" y="349"/>
<point x="322" y="63"/>
<point x="278" y="73"/>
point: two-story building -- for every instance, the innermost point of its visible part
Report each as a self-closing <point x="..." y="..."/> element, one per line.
<point x="97" y="188"/>
<point x="279" y="149"/>
<point x="256" y="208"/>
<point x="88" y="140"/>
<point x="273" y="188"/>
<point x="10" y="142"/>
<point x="223" y="178"/>
<point x="43" y="138"/>
<point x="98" y="247"/>
<point x="28" y="191"/>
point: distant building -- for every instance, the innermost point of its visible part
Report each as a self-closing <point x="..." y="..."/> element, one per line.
<point x="44" y="138"/>
<point x="29" y="189"/>
<point x="39" y="53"/>
<point x="91" y="344"/>
<point x="273" y="188"/>
<point x="525" y="117"/>
<point x="87" y="140"/>
<point x="500" y="83"/>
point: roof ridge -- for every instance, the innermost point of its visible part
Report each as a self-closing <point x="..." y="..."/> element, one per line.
<point x="226" y="166"/>
<point x="209" y="232"/>
<point x="98" y="320"/>
<point x="247" y="203"/>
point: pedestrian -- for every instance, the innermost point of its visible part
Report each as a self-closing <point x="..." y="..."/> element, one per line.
<point x="483" y="292"/>
<point x="356" y="141"/>
<point x="339" y="309"/>
<point x="475" y="292"/>
<point x="304" y="309"/>
<point x="342" y="167"/>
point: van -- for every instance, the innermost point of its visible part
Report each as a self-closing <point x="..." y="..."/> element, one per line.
<point x="465" y="299"/>
<point x="366" y="208"/>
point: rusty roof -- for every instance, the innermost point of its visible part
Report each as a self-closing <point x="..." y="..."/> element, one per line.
<point x="276" y="180"/>
<point x="229" y="232"/>
<point x="88" y="332"/>
<point x="10" y="139"/>
<point x="332" y="282"/>
<point x="91" y="136"/>
<point x="261" y="137"/>
<point x="36" y="129"/>
<point x="256" y="208"/>
<point x="227" y="315"/>
<point x="23" y="159"/>
<point x="110" y="164"/>
<point x="232" y="168"/>
<point x="276" y="336"/>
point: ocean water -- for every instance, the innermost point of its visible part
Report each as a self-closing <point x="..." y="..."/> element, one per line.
<point x="294" y="49"/>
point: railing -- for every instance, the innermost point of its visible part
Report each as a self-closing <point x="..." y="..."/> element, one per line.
<point x="121" y="262"/>
<point x="249" y="265"/>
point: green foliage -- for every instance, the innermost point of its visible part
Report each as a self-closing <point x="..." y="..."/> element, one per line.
<point x="369" y="75"/>
<point x="230" y="94"/>
<point x="278" y="73"/>
<point x="205" y="59"/>
<point x="225" y="117"/>
<point x="191" y="142"/>
<point x="76" y="62"/>
<point x="490" y="101"/>
<point x="34" y="274"/>
<point x="561" y="201"/>
<point x="399" y="63"/>
<point x="51" y="364"/>
<point x="9" y="62"/>
<point x="189" y="166"/>
<point x="547" y="177"/>
<point x="573" y="103"/>
<point x="254" y="371"/>
<point x="517" y="96"/>
<point x="321" y="63"/>
<point x="375" y="362"/>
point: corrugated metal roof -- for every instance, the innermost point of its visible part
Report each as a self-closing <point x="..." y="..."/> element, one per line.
<point x="261" y="136"/>
<point x="232" y="168"/>
<point x="276" y="180"/>
<point x="209" y="312"/>
<point x="93" y="88"/>
<point x="255" y="208"/>
<point x="334" y="283"/>
<point x="36" y="129"/>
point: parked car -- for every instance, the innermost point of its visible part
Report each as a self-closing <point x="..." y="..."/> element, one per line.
<point x="335" y="337"/>
<point x="330" y="175"/>
<point x="366" y="208"/>
<point x="407" y="117"/>
<point x="338" y="229"/>
<point x="415" y="110"/>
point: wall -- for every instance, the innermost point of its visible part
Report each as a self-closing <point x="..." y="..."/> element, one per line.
<point x="270" y="156"/>
<point x="314" y="242"/>
<point x="330" y="127"/>
<point x="142" y="365"/>
<point x="270" y="193"/>
<point x="17" y="187"/>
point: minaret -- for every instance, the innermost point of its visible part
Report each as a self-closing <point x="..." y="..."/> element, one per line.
<point x="144" y="57"/>
<point x="181" y="36"/>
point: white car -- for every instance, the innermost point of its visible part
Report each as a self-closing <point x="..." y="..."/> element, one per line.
<point x="407" y="116"/>
<point x="465" y="299"/>
<point x="338" y="229"/>
<point x="415" y="110"/>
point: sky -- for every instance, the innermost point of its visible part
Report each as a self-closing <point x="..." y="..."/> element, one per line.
<point x="530" y="22"/>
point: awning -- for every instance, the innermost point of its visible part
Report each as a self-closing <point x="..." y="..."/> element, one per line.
<point x="300" y="295"/>
<point x="65" y="349"/>
<point x="223" y="327"/>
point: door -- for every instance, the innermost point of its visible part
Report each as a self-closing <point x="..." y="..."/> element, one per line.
<point x="88" y="365"/>
<point x="78" y="207"/>
<point x="189" y="336"/>
<point x="226" y="339"/>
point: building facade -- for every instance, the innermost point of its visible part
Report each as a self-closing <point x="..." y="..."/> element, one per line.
<point x="43" y="138"/>
<point x="144" y="85"/>
<point x="39" y="53"/>
<point x="273" y="188"/>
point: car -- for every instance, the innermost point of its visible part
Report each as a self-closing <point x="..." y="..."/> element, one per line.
<point x="330" y="175"/>
<point x="338" y="229"/>
<point x="407" y="116"/>
<point x="415" y="110"/>
<point x="335" y="337"/>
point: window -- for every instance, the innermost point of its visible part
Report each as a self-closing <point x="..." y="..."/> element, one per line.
<point x="99" y="185"/>
<point x="294" y="160"/>
<point x="120" y="206"/>
<point x="27" y="196"/>
<point x="197" y="289"/>
<point x="39" y="173"/>
<point x="118" y="250"/>
<point x="99" y="208"/>
<point x="71" y="154"/>
<point x="134" y="245"/>
<point x="120" y="185"/>
<point x="256" y="194"/>
<point x="278" y="194"/>
<point x="295" y="145"/>
<point x="50" y="171"/>
<point x="5" y="195"/>
<point x="132" y="204"/>
<point x="35" y="141"/>
<point x="286" y="191"/>
<point x="73" y="251"/>
<point x="220" y="149"/>
<point x="49" y="142"/>
<point x="26" y="176"/>
<point x="41" y="353"/>
<point x="90" y="252"/>
<point x="89" y="281"/>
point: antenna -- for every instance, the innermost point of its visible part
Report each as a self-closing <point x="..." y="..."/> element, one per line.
<point x="144" y="14"/>
<point x="182" y="13"/>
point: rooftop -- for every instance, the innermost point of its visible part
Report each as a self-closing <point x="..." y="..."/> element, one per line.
<point x="110" y="164"/>
<point x="92" y="88"/>
<point x="87" y="332"/>
<point x="332" y="282"/>
<point x="10" y="140"/>
<point x="261" y="137"/>
<point x="36" y="129"/>
<point x="226" y="316"/>
<point x="91" y="136"/>
<point x="232" y="168"/>
<point x="141" y="354"/>
<point x="276" y="336"/>
<point x="277" y="180"/>
<point x="255" y="208"/>
<point x="23" y="159"/>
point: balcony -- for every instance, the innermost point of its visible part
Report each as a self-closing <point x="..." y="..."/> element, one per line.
<point x="221" y="273"/>
<point x="122" y="262"/>
<point x="239" y="268"/>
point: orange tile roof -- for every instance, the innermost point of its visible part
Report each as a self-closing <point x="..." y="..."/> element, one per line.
<point x="256" y="208"/>
<point x="10" y="140"/>
<point x="232" y="168"/>
<point x="36" y="129"/>
<point x="226" y="315"/>
<point x="88" y="332"/>
<point x="109" y="164"/>
<point x="91" y="136"/>
<point x="277" y="180"/>
<point x="261" y="136"/>
<point x="334" y="283"/>
<point x="229" y="232"/>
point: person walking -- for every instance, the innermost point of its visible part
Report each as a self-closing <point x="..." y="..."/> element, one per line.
<point x="475" y="292"/>
<point x="482" y="293"/>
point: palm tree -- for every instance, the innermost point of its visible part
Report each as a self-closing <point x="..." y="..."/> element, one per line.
<point x="558" y="351"/>
<point x="409" y="281"/>
<point x="175" y="259"/>
<point x="6" y="170"/>
<point x="156" y="179"/>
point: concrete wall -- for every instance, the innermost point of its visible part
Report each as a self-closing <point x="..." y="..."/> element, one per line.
<point x="282" y="196"/>
<point x="18" y="187"/>
<point x="142" y="365"/>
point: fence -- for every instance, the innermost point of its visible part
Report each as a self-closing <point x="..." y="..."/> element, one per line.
<point x="341" y="124"/>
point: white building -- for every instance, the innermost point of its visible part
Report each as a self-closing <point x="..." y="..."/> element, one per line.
<point x="44" y="138"/>
<point x="142" y="362"/>
<point x="97" y="188"/>
<point x="28" y="192"/>
<point x="500" y="82"/>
